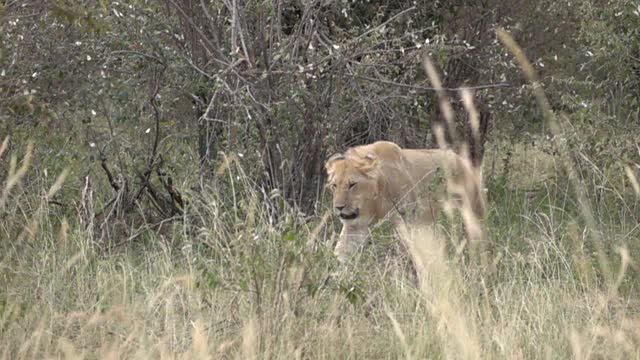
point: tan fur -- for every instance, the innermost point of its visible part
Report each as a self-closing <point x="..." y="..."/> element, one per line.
<point x="380" y="180"/>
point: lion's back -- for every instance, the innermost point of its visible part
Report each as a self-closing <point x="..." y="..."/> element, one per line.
<point x="422" y="162"/>
<point x="385" y="151"/>
<point x="403" y="166"/>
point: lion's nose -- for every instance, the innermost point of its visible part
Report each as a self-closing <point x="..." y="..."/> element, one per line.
<point x="339" y="207"/>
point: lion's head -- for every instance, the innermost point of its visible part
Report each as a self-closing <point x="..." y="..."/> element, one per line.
<point x="354" y="182"/>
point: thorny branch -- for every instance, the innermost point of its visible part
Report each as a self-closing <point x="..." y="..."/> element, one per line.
<point x="154" y="150"/>
<point x="166" y="205"/>
<point x="112" y="181"/>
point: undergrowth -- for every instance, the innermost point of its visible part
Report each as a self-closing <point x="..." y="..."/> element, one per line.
<point x="235" y="277"/>
<point x="240" y="274"/>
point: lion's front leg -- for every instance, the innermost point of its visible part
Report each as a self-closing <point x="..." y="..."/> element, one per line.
<point x="351" y="238"/>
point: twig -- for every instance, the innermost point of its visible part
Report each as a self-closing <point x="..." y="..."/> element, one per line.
<point x="112" y="181"/>
<point x="132" y="52"/>
<point x="177" y="203"/>
<point x="154" y="150"/>
<point x="147" y="228"/>
<point x="156" y="115"/>
<point x="210" y="47"/>
<point x="112" y="133"/>
<point x="107" y="205"/>
<point x="428" y="88"/>
<point x="157" y="202"/>
<point x="384" y="23"/>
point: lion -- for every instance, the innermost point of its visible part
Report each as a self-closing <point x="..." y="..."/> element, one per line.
<point x="381" y="180"/>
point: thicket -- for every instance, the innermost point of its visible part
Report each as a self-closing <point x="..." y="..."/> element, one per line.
<point x="189" y="136"/>
<point x="138" y="86"/>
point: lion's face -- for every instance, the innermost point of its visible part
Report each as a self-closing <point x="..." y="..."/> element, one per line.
<point x="354" y="186"/>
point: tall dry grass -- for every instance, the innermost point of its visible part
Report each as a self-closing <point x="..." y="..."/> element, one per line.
<point x="243" y="278"/>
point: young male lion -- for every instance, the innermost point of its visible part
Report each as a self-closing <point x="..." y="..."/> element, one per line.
<point x="378" y="180"/>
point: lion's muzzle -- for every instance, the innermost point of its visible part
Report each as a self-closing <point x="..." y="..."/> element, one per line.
<point x="349" y="216"/>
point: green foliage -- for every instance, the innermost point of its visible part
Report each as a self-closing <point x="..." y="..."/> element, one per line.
<point x="249" y="108"/>
<point x="233" y="261"/>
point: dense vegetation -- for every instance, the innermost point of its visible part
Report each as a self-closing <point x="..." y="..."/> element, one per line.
<point x="162" y="183"/>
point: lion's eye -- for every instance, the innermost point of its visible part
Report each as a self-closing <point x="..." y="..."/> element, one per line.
<point x="352" y="185"/>
<point x="333" y="186"/>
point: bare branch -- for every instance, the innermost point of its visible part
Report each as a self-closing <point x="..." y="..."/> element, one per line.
<point x="112" y="181"/>
<point x="428" y="88"/>
<point x="210" y="47"/>
<point x="131" y="52"/>
<point x="384" y="23"/>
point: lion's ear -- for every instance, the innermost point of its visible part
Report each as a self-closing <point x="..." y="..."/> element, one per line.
<point x="330" y="162"/>
<point x="369" y="163"/>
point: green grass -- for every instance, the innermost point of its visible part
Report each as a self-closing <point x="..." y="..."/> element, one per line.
<point x="233" y="281"/>
<point x="243" y="275"/>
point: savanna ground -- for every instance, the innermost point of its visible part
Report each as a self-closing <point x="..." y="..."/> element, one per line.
<point x="95" y="262"/>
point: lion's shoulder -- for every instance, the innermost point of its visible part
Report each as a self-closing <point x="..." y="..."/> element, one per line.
<point x="384" y="151"/>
